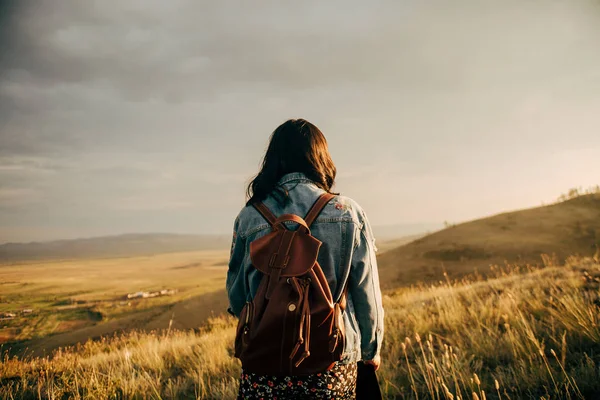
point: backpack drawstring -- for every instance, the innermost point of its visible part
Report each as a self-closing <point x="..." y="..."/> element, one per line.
<point x="304" y="323"/>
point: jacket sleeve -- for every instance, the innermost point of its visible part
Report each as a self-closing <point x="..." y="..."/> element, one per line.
<point x="363" y="286"/>
<point x="235" y="285"/>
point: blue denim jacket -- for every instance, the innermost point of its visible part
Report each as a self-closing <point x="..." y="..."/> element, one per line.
<point x="347" y="255"/>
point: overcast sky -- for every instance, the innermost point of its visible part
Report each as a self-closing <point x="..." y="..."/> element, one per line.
<point x="151" y="116"/>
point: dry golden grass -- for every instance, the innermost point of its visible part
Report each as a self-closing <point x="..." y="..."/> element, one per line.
<point x="567" y="228"/>
<point x="525" y="333"/>
<point x="89" y="295"/>
<point x="106" y="279"/>
<point x="171" y="365"/>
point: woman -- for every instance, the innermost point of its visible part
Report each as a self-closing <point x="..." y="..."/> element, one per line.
<point x="297" y="169"/>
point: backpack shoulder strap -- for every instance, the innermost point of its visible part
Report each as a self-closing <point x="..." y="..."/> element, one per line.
<point x="265" y="212"/>
<point x="344" y="298"/>
<point x="318" y="207"/>
<point x="310" y="217"/>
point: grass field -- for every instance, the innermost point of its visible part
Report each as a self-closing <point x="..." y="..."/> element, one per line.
<point x="503" y="307"/>
<point x="525" y="333"/>
<point x="90" y="296"/>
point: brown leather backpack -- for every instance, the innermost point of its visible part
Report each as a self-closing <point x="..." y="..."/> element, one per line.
<point x="292" y="326"/>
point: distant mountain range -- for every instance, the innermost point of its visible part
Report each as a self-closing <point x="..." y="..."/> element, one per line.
<point x="127" y="245"/>
<point x="141" y="244"/>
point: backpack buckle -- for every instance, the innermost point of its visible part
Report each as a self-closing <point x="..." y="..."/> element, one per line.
<point x="272" y="260"/>
<point x="286" y="260"/>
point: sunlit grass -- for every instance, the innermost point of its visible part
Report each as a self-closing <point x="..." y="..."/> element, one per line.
<point x="527" y="333"/>
<point x="59" y="290"/>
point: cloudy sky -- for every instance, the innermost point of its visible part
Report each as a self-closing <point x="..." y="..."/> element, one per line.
<point x="151" y="116"/>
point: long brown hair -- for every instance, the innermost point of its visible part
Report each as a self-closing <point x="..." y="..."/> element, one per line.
<point x="295" y="146"/>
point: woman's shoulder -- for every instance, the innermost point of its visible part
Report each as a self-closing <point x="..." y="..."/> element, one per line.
<point x="339" y="207"/>
<point x="349" y="207"/>
<point x="247" y="218"/>
<point x="347" y="201"/>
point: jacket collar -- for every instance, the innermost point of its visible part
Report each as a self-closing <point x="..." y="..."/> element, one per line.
<point x="292" y="177"/>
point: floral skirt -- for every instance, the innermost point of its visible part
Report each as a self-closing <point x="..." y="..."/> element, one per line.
<point x="337" y="383"/>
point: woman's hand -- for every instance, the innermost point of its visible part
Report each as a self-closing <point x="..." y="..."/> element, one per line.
<point x="376" y="362"/>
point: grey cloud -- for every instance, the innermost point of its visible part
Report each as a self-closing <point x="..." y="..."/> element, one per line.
<point x="201" y="50"/>
<point x="105" y="104"/>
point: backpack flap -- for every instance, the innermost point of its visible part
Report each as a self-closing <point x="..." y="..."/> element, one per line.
<point x="293" y="252"/>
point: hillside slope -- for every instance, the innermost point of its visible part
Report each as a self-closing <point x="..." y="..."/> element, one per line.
<point x="571" y="227"/>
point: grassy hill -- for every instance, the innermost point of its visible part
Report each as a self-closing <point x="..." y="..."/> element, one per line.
<point x="525" y="333"/>
<point x="563" y="229"/>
